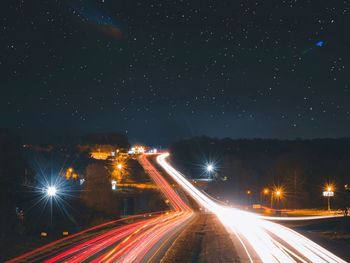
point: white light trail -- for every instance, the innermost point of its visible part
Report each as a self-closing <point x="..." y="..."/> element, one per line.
<point x="270" y="241"/>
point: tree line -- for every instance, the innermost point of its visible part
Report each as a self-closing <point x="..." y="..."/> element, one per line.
<point x="301" y="167"/>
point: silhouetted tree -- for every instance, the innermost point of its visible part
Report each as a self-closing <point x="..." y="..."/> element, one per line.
<point x="302" y="166"/>
<point x="97" y="193"/>
<point x="12" y="175"/>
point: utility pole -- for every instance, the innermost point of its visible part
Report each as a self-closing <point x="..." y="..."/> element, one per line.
<point x="295" y="190"/>
<point x="271" y="199"/>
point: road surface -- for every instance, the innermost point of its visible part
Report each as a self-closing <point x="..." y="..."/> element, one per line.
<point x="141" y="241"/>
<point x="253" y="238"/>
<point x="261" y="239"/>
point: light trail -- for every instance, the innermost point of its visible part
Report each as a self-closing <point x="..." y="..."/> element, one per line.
<point x="128" y="243"/>
<point x="59" y="242"/>
<point x="270" y="241"/>
<point x="278" y="218"/>
<point x="133" y="242"/>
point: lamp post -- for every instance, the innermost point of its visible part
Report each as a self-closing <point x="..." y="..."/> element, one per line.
<point x="265" y="191"/>
<point x="329" y="192"/>
<point x="278" y="194"/>
<point x="210" y="170"/>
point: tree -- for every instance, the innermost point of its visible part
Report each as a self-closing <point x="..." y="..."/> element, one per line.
<point x="12" y="174"/>
<point x="97" y="193"/>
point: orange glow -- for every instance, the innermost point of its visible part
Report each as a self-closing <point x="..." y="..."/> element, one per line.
<point x="278" y="192"/>
<point x="100" y="155"/>
<point x="329" y="187"/>
<point x="271" y="242"/>
<point x="71" y="174"/>
<point x="139" y="186"/>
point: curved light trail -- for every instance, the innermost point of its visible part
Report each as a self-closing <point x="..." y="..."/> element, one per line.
<point x="260" y="238"/>
<point x="133" y="242"/>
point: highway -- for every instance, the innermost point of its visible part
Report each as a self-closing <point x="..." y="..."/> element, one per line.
<point x="147" y="239"/>
<point x="142" y="241"/>
<point x="261" y="239"/>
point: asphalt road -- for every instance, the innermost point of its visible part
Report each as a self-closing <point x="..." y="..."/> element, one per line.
<point x="146" y="239"/>
<point x="231" y="235"/>
<point x="256" y="238"/>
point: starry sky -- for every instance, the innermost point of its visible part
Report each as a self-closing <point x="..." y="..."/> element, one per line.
<point x="166" y="69"/>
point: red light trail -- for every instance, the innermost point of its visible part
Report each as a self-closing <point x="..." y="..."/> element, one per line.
<point x="130" y="243"/>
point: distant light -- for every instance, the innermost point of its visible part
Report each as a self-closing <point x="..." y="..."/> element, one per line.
<point x="329" y="190"/>
<point x="279" y="192"/>
<point x="320" y="43"/>
<point x="328" y="193"/>
<point x="119" y="166"/>
<point x="210" y="168"/>
<point x="51" y="191"/>
<point x="154" y="150"/>
<point x="114" y="184"/>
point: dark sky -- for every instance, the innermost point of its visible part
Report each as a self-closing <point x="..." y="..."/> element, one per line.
<point x="161" y="70"/>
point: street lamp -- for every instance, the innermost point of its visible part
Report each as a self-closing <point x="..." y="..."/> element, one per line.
<point x="329" y="192"/>
<point x="265" y="191"/>
<point x="119" y="166"/>
<point x="51" y="191"/>
<point x="210" y="168"/>
<point x="277" y="194"/>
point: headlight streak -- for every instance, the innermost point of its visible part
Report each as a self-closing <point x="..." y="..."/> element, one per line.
<point x="270" y="241"/>
<point x="137" y="247"/>
<point x="135" y="241"/>
<point x="56" y="243"/>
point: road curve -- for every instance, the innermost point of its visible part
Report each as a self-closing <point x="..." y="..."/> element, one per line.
<point x="260" y="239"/>
<point x="141" y="241"/>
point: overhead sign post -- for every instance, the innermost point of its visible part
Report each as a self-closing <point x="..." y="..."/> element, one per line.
<point x="328" y="194"/>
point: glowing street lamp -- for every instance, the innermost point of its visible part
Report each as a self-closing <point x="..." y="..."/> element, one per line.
<point x="210" y="168"/>
<point x="329" y="192"/>
<point x="265" y="191"/>
<point x="51" y="191"/>
<point x="119" y="166"/>
<point x="277" y="194"/>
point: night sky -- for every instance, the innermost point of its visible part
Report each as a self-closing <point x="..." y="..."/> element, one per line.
<point x="162" y="70"/>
